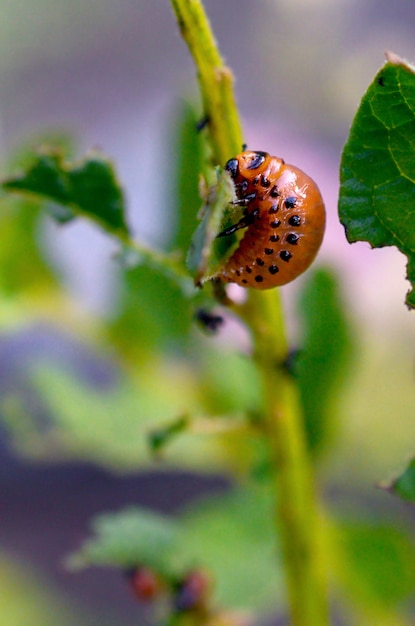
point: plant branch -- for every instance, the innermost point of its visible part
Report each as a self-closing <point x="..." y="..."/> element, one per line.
<point x="215" y="80"/>
<point x="297" y="516"/>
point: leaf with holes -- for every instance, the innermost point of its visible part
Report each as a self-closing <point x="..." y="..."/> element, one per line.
<point x="377" y="172"/>
<point x="89" y="188"/>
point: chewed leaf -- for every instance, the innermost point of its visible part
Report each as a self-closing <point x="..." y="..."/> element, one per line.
<point x="89" y="188"/>
<point x="207" y="252"/>
<point x="404" y="485"/>
<point x="377" y="173"/>
<point x="129" y="538"/>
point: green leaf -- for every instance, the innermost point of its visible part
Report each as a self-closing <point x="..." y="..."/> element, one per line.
<point x="187" y="157"/>
<point x="197" y="228"/>
<point x="207" y="253"/>
<point x="324" y="353"/>
<point x="377" y="567"/>
<point x="152" y="312"/>
<point x="377" y="172"/>
<point x="22" y="267"/>
<point x="28" y="282"/>
<point x="233" y="536"/>
<point x="129" y="538"/>
<point x="89" y="188"/>
<point x="404" y="485"/>
<point x="231" y="383"/>
<point x="230" y="535"/>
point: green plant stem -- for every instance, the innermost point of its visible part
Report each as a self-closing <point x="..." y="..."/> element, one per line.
<point x="215" y="80"/>
<point x="297" y="515"/>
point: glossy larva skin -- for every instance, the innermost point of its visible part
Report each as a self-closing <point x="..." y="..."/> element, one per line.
<point x="285" y="218"/>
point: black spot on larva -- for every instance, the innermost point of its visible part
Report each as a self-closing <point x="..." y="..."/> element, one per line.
<point x="285" y="255"/>
<point x="256" y="180"/>
<point x="268" y="251"/>
<point x="242" y="187"/>
<point x="245" y="200"/>
<point x="259" y="279"/>
<point x="265" y="182"/>
<point x="244" y="281"/>
<point x="248" y="269"/>
<point x="258" y="159"/>
<point x="274" y="238"/>
<point x="292" y="238"/>
<point x="275" y="224"/>
<point x="274" y="193"/>
<point x="273" y="269"/>
<point x="255" y="213"/>
<point x="295" y="220"/>
<point x="238" y="273"/>
<point x="273" y="209"/>
<point x="290" y="202"/>
<point x="380" y="81"/>
<point x="260" y="262"/>
<point x="232" y="166"/>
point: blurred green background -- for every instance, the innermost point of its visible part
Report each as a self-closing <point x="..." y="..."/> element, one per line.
<point x="86" y="346"/>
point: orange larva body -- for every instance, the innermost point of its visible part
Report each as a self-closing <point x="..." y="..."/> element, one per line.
<point x="284" y="219"/>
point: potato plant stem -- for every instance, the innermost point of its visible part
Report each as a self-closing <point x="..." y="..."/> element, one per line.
<point x="215" y="79"/>
<point x="297" y="516"/>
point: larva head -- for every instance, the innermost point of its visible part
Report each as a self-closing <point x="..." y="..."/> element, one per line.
<point x="251" y="165"/>
<point x="245" y="162"/>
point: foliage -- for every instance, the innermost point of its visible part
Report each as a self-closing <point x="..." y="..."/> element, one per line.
<point x="131" y="538"/>
<point x="88" y="188"/>
<point x="377" y="169"/>
<point x="324" y="356"/>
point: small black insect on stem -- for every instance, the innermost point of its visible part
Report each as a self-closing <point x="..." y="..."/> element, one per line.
<point x="208" y="320"/>
<point x="202" y="123"/>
